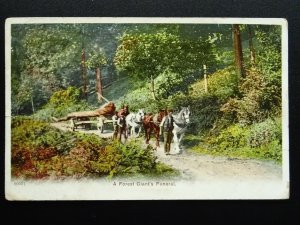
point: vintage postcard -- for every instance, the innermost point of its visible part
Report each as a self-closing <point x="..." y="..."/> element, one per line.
<point x="146" y="108"/>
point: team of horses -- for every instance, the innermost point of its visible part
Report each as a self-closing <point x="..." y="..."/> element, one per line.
<point x="135" y="121"/>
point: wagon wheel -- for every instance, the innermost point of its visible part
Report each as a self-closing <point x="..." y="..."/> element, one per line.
<point x="101" y="129"/>
<point x="100" y="124"/>
<point x="72" y="125"/>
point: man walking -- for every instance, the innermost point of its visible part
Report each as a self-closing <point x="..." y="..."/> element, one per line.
<point x="167" y="125"/>
<point x="122" y="127"/>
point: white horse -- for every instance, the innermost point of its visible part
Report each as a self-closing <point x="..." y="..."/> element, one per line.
<point x="181" y="121"/>
<point x="135" y="121"/>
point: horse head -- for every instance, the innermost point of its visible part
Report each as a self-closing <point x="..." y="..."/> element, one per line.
<point x="185" y="114"/>
<point x="181" y="121"/>
<point x="139" y="116"/>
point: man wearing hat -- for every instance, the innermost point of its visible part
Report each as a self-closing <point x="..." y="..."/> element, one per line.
<point x="167" y="125"/>
<point x="121" y="122"/>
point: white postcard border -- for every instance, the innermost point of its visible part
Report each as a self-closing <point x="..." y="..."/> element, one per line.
<point x="89" y="190"/>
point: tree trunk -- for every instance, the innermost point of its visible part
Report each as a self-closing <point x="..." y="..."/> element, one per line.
<point x="83" y="74"/>
<point x="152" y="88"/>
<point x="238" y="50"/>
<point x="99" y="87"/>
<point x="251" y="47"/>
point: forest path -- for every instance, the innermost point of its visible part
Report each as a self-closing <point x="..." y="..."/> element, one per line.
<point x="193" y="166"/>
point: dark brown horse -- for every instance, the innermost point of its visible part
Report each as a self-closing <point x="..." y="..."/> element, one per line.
<point x="151" y="123"/>
<point x="123" y="111"/>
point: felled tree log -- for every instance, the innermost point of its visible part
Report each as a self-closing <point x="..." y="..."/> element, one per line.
<point x="107" y="109"/>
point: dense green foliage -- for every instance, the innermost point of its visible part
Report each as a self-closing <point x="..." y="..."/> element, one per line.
<point x="41" y="151"/>
<point x="61" y="103"/>
<point x="44" y="55"/>
<point x="260" y="140"/>
<point x="206" y="106"/>
<point x="96" y="60"/>
<point x="28" y="133"/>
<point x="149" y="66"/>
<point x="256" y="101"/>
<point x="245" y="124"/>
<point x="146" y="56"/>
<point x="50" y="56"/>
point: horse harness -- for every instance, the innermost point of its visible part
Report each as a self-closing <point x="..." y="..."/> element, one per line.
<point x="184" y="125"/>
<point x="134" y="119"/>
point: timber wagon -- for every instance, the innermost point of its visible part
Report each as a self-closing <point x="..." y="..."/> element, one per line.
<point x="86" y="122"/>
<point x="85" y="119"/>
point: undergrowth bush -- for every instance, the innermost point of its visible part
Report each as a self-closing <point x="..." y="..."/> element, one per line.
<point x="41" y="151"/>
<point x="140" y="99"/>
<point x="258" y="100"/>
<point x="260" y="140"/>
<point x="222" y="83"/>
<point x="61" y="103"/>
<point x="29" y="133"/>
<point x="230" y="138"/>
<point x="265" y="132"/>
<point x="118" y="159"/>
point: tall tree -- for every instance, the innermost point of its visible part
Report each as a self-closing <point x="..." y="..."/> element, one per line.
<point x="146" y="56"/>
<point x="251" y="46"/>
<point x="96" y="61"/>
<point x="238" y="51"/>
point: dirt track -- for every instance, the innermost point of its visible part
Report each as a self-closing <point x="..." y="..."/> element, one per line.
<point x="204" y="167"/>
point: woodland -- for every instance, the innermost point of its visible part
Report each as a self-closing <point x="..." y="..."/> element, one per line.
<point x="229" y="74"/>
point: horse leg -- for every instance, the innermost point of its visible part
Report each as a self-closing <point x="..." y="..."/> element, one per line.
<point x="147" y="133"/>
<point x="181" y="137"/>
<point x="125" y="130"/>
<point x="145" y="129"/>
<point x="139" y="131"/>
<point x="176" y="143"/>
<point x="134" y="132"/>
<point x="157" y="136"/>
<point x="131" y="131"/>
<point x="179" y="141"/>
